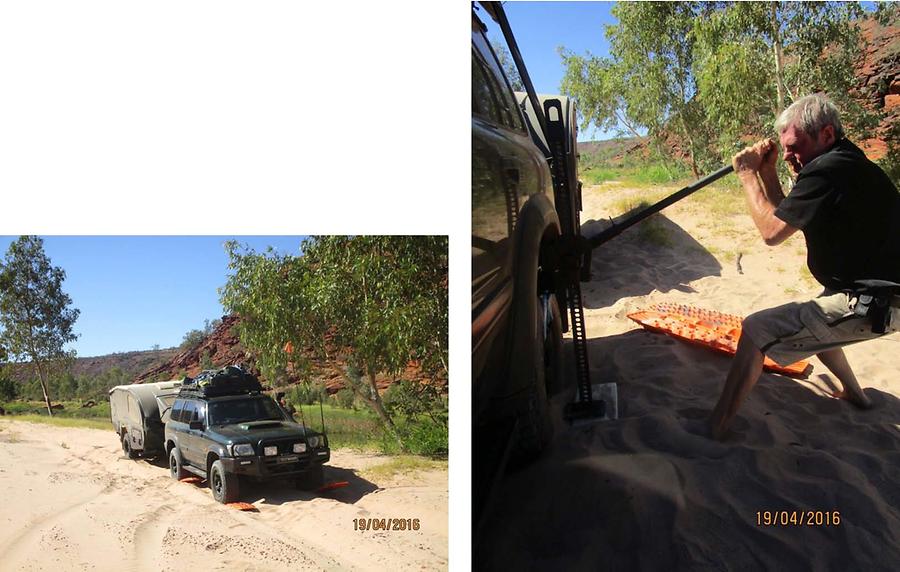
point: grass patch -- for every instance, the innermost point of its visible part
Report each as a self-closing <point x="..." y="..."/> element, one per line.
<point x="346" y="428"/>
<point x="403" y="464"/>
<point x="70" y="410"/>
<point x="806" y="277"/>
<point x="600" y="175"/>
<point x="649" y="230"/>
<point x="720" y="201"/>
<point x="637" y="175"/>
<point x="65" y="421"/>
<point x="362" y="429"/>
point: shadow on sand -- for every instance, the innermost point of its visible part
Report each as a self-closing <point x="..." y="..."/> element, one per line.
<point x="668" y="258"/>
<point x="651" y="491"/>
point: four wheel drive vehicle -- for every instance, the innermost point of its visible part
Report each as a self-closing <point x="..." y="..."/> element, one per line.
<point x="517" y="225"/>
<point x="225" y="436"/>
<point x="136" y="412"/>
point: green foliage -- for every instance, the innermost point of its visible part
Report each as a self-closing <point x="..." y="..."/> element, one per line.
<point x="508" y="66"/>
<point x="428" y="438"/>
<point x="36" y="320"/>
<point x="70" y="410"/>
<point x="713" y="72"/>
<point x="424" y="411"/>
<point x="206" y="360"/>
<point x="891" y="161"/>
<point x="9" y="390"/>
<point x="191" y="340"/>
<point x="375" y="302"/>
<point x="345" y="427"/>
<point x="306" y="393"/>
<point x="62" y="421"/>
<point x="345" y="398"/>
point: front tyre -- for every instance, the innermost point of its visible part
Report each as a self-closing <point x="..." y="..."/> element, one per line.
<point x="176" y="469"/>
<point x="224" y="485"/>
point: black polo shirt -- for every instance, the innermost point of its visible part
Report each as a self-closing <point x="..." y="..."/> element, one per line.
<point x="849" y="212"/>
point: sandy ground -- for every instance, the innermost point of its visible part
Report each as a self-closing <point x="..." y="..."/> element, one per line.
<point x="72" y="501"/>
<point x="649" y="491"/>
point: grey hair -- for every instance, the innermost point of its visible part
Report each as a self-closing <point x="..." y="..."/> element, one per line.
<point x="810" y="114"/>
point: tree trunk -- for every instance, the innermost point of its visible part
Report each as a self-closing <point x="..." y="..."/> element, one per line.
<point x="690" y="141"/>
<point x="378" y="406"/>
<point x="44" y="387"/>
<point x="779" y="61"/>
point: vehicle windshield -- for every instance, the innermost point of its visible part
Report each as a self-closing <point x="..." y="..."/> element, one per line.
<point x="260" y="408"/>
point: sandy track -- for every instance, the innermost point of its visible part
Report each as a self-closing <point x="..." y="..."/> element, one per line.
<point x="72" y="501"/>
<point x="650" y="491"/>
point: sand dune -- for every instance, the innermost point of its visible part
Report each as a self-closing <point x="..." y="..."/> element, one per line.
<point x="72" y="501"/>
<point x="650" y="491"/>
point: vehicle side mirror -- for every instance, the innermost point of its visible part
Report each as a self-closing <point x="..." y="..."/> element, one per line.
<point x="196" y="425"/>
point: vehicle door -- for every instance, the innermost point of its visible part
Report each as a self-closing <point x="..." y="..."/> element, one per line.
<point x="506" y="168"/>
<point x="187" y="436"/>
<point x="199" y="435"/>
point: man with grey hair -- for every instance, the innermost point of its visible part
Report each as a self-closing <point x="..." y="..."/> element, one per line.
<point x="849" y="212"/>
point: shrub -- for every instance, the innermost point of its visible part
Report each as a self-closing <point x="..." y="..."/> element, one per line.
<point x="345" y="398"/>
<point x="9" y="390"/>
<point x="306" y="393"/>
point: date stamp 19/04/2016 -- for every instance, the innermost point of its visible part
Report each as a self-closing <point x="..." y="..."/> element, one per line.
<point x="388" y="524"/>
<point x="798" y="518"/>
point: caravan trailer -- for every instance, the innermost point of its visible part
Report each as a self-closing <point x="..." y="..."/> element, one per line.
<point x="138" y="412"/>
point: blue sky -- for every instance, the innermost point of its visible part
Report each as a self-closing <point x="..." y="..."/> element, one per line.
<point x="541" y="27"/>
<point x="137" y="291"/>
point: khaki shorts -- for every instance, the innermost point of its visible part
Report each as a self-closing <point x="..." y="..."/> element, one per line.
<point x="796" y="331"/>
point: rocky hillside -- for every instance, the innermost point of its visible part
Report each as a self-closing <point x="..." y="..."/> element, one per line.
<point x="131" y="363"/>
<point x="223" y="347"/>
<point x="879" y="75"/>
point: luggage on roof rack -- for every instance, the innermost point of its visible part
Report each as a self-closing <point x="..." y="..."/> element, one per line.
<point x="231" y="380"/>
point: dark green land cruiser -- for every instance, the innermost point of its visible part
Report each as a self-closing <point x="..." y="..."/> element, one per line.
<point x="241" y="434"/>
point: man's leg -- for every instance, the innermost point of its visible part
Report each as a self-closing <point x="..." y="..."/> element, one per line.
<point x="743" y="375"/>
<point x="836" y="361"/>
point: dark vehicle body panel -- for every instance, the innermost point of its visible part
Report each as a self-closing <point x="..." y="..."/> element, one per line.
<point x="510" y="179"/>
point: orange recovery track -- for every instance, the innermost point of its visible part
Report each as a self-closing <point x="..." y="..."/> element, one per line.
<point x="707" y="328"/>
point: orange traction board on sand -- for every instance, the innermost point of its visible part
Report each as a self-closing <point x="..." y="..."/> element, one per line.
<point x="707" y="328"/>
<point x="332" y="486"/>
<point x="243" y="506"/>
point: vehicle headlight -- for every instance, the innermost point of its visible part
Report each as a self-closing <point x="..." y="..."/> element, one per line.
<point x="300" y="447"/>
<point x="270" y="450"/>
<point x="242" y="449"/>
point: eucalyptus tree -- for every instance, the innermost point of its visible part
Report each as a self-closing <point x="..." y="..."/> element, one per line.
<point x="35" y="314"/>
<point x="714" y="73"/>
<point x="364" y="305"/>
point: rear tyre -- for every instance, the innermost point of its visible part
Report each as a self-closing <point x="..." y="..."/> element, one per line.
<point x="175" y="467"/>
<point x="126" y="447"/>
<point x="224" y="485"/>
<point x="312" y="479"/>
